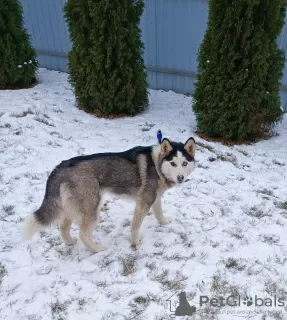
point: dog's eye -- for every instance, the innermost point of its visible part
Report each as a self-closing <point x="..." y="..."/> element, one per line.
<point x="184" y="164"/>
<point x="173" y="164"/>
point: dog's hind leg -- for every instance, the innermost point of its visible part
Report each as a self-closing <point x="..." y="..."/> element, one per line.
<point x="143" y="205"/>
<point x="86" y="234"/>
<point x="157" y="210"/>
<point x="65" y="228"/>
<point x="81" y="203"/>
<point x="90" y="212"/>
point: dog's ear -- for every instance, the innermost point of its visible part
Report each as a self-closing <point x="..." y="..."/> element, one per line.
<point x="189" y="146"/>
<point x="165" y="145"/>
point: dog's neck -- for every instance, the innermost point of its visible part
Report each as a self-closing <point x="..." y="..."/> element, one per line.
<point x="155" y="157"/>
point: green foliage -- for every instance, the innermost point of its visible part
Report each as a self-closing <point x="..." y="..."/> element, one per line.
<point x="18" y="63"/>
<point x="106" y="64"/>
<point x="239" y="69"/>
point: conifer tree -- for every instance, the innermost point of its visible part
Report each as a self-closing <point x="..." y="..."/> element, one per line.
<point x="239" y="69"/>
<point x="18" y="64"/>
<point x="106" y="63"/>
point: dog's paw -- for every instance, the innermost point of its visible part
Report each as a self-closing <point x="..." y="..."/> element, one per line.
<point x="136" y="240"/>
<point x="71" y="241"/>
<point x="135" y="244"/>
<point x="135" y="237"/>
<point x="165" y="220"/>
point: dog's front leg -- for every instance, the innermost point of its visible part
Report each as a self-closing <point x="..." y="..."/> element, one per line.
<point x="157" y="209"/>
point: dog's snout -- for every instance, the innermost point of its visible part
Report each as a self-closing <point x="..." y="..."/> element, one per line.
<point x="180" y="178"/>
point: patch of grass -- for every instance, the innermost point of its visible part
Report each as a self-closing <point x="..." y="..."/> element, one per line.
<point x="228" y="157"/>
<point x="274" y="314"/>
<point x="271" y="287"/>
<point x="32" y="176"/>
<point x="223" y="211"/>
<point x="108" y="228"/>
<point x="111" y="316"/>
<point x="58" y="111"/>
<point x="158" y="244"/>
<point x="234" y="264"/>
<point x="142" y="300"/>
<point x="59" y="310"/>
<point x="162" y="316"/>
<point x="8" y="210"/>
<point x="236" y="233"/>
<point x="245" y="153"/>
<point x="199" y="165"/>
<point x="126" y="223"/>
<point x="82" y="302"/>
<point x="46" y="122"/>
<point x="280" y="260"/>
<point x="129" y="264"/>
<point x="266" y="192"/>
<point x="3" y="272"/>
<point x="101" y="284"/>
<point x="57" y="134"/>
<point x="138" y="305"/>
<point x="221" y="286"/>
<point x="173" y="284"/>
<point x="205" y="146"/>
<point x="105" y="262"/>
<point x="5" y="125"/>
<point x="256" y="213"/>
<point x="147" y="126"/>
<point x="53" y="144"/>
<point x="185" y="240"/>
<point x="179" y="257"/>
<point x="151" y="265"/>
<point x="65" y="251"/>
<point x="214" y="244"/>
<point x="278" y="163"/>
<point x="218" y="284"/>
<point x="283" y="205"/>
<point x="271" y="239"/>
<point x="23" y="114"/>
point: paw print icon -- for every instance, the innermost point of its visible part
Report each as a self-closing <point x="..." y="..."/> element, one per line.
<point x="248" y="301"/>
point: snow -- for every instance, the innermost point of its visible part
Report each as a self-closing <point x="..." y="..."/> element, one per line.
<point x="233" y="207"/>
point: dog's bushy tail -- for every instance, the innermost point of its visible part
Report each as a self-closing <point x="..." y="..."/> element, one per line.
<point x="37" y="222"/>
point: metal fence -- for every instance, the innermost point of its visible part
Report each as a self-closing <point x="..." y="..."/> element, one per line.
<point x="171" y="31"/>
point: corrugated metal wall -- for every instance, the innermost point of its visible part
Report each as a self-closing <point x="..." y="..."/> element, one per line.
<point x="45" y="22"/>
<point x="171" y="30"/>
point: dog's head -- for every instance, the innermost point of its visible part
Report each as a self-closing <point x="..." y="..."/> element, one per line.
<point x="177" y="159"/>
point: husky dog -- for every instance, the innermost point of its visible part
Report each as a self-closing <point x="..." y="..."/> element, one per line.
<point x="75" y="188"/>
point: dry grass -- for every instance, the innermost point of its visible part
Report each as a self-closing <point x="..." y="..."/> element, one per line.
<point x="174" y="283"/>
<point x="3" y="272"/>
<point x="129" y="264"/>
<point x="23" y="114"/>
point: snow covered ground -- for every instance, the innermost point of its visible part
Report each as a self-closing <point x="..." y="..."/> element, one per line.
<point x="228" y="234"/>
